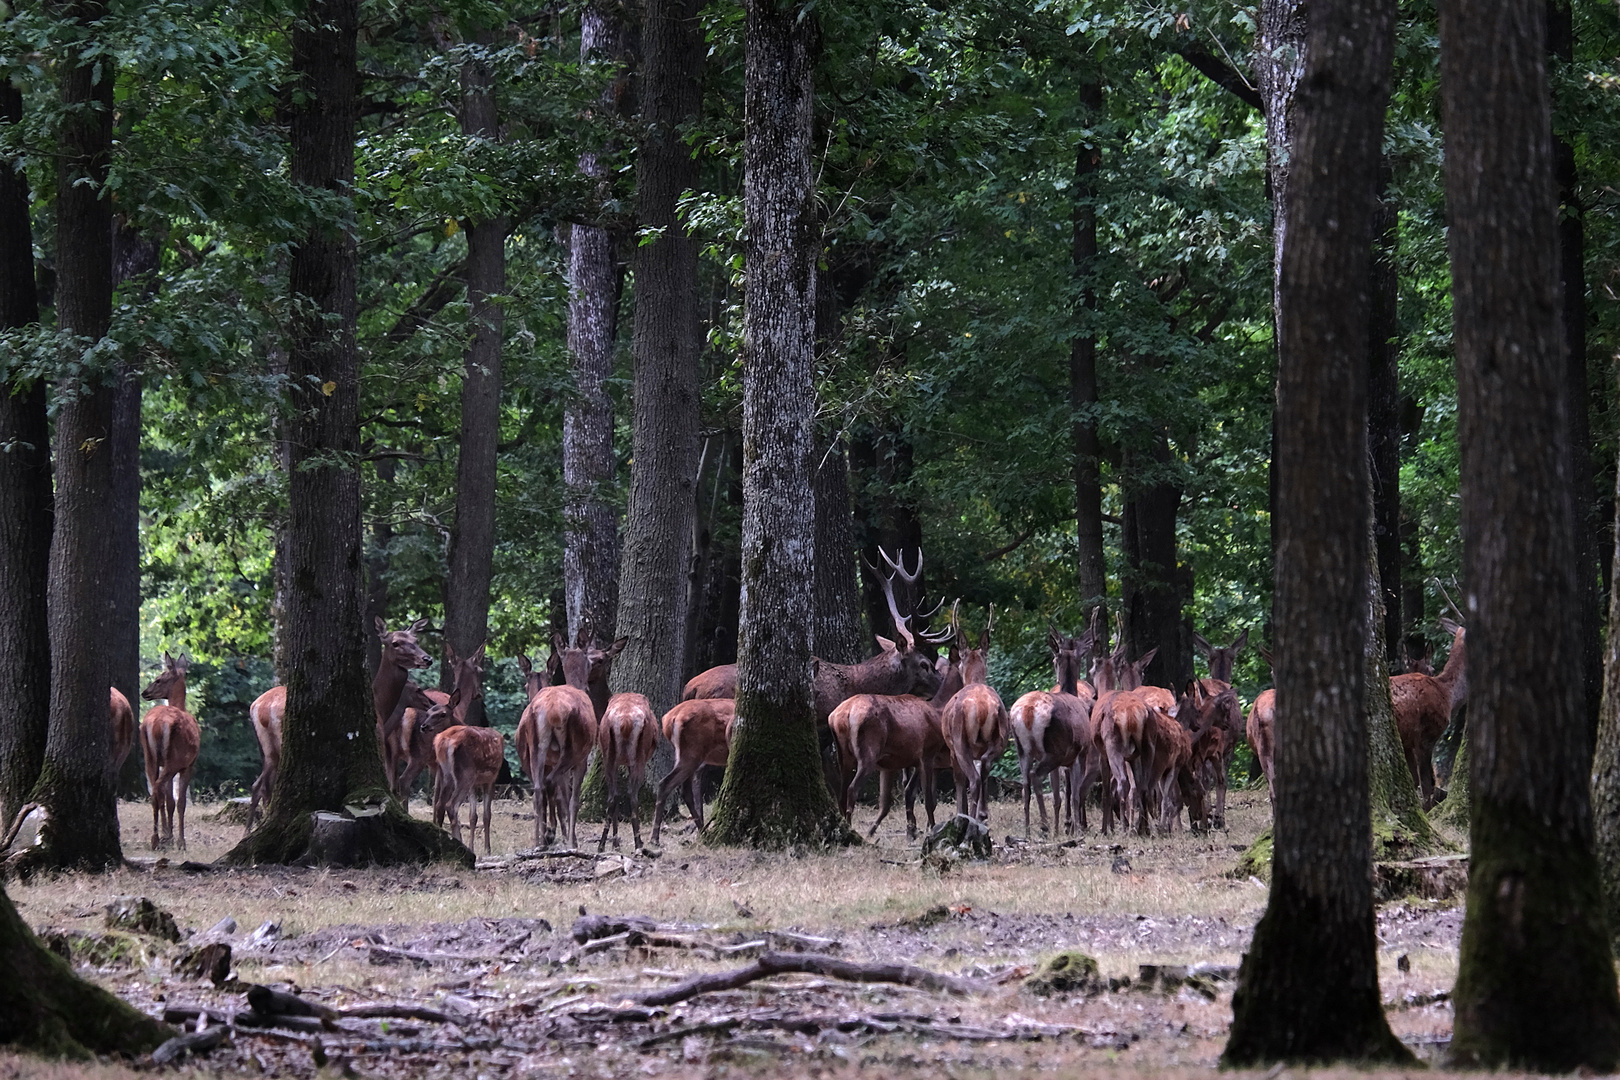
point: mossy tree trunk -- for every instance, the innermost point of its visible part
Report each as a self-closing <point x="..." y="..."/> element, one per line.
<point x="74" y="783"/>
<point x="1536" y="983"/>
<point x="25" y="504"/>
<point x="774" y="795"/>
<point x="46" y="1009"/>
<point x="329" y="753"/>
<point x="1308" y="987"/>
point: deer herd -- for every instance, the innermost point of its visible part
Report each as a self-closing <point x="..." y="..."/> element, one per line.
<point x="899" y="715"/>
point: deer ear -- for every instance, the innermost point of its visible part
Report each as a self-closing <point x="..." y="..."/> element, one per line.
<point x="617" y="647"/>
<point x="1242" y="640"/>
<point x="885" y="644"/>
<point x="168" y="661"/>
<point x="558" y="642"/>
<point x="1147" y="658"/>
<point x="984" y="639"/>
<point x="1448" y="626"/>
<point x="449" y="654"/>
<point x="477" y="658"/>
<point x="524" y="664"/>
<point x="1201" y="645"/>
<point x="381" y="627"/>
<point x="419" y="625"/>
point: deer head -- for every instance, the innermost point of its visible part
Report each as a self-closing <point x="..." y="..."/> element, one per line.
<point x="575" y="659"/>
<point x="1221" y="660"/>
<point x="1130" y="675"/>
<point x="971" y="661"/>
<point x="533" y="678"/>
<point x="466" y="680"/>
<point x="1455" y="673"/>
<point x="399" y="647"/>
<point x="1069" y="657"/>
<point x="170" y="685"/>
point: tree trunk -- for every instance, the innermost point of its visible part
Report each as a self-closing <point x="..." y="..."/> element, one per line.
<point x="1157" y="587"/>
<point x="1092" y="566"/>
<point x="774" y="795"/>
<point x="472" y="543"/>
<point x="1279" y="64"/>
<point x="837" y="637"/>
<point x="329" y="752"/>
<point x="1384" y="418"/>
<point x="75" y="784"/>
<point x="46" y="1009"/>
<point x="25" y="505"/>
<point x="382" y="534"/>
<point x="1589" y="521"/>
<point x="135" y="255"/>
<point x="595" y="279"/>
<point x="1535" y="984"/>
<point x="1308" y="988"/>
<point x="658" y="524"/>
<point x="1413" y="606"/>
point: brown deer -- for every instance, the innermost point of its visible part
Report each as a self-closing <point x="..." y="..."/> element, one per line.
<point x="700" y="731"/>
<point x="1213" y="722"/>
<point x="898" y="668"/>
<point x="400" y="655"/>
<point x="554" y="740"/>
<point x="417" y="735"/>
<point x="1261" y="731"/>
<point x="626" y="737"/>
<point x="468" y="762"/>
<point x="170" y="739"/>
<point x="1423" y="707"/>
<point x="123" y="731"/>
<point x="974" y="724"/>
<point x="265" y="715"/>
<point x="1172" y="775"/>
<point x="1122" y="736"/>
<point x="1051" y="728"/>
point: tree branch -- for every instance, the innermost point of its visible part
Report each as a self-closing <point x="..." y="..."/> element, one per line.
<point x="1221" y="73"/>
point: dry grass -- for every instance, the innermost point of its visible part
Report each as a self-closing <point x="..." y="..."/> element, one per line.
<point x="1173" y="903"/>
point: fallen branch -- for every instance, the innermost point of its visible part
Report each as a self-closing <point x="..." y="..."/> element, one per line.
<point x="403" y="1012"/>
<point x="775" y="963"/>
<point x="198" y="1042"/>
<point x="386" y="954"/>
<point x="181" y="1014"/>
<point x="268" y="1002"/>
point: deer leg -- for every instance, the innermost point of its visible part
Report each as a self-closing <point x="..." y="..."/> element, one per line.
<point x="885" y="799"/>
<point x="1026" y="768"/>
<point x="182" y="782"/>
<point x="675" y="779"/>
<point x="489" y="812"/>
<point x="638" y="777"/>
<point x="1040" y="798"/>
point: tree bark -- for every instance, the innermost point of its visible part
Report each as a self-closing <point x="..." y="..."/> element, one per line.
<point x="75" y="784"/>
<point x="1308" y="988"/>
<point x="774" y="795"/>
<point x="1384" y="418"/>
<point x="837" y="637"/>
<point x="1589" y="520"/>
<point x="46" y="1009"/>
<point x="1279" y="64"/>
<point x="25" y="505"/>
<point x="1092" y="565"/>
<point x="1535" y="984"/>
<point x="658" y="524"/>
<point x="330" y="756"/>
<point x="1157" y="587"/>
<point x="595" y="279"/>
<point x="472" y="542"/>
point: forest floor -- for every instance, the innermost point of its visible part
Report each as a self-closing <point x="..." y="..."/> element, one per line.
<point x="492" y="950"/>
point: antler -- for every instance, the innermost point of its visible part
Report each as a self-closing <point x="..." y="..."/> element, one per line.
<point x="1449" y="601"/>
<point x="888" y="594"/>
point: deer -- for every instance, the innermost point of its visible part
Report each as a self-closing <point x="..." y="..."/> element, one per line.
<point x="1220" y="660"/>
<point x="122" y="718"/>
<point x="1261" y="731"/>
<point x="417" y="733"/>
<point x="700" y="731"/>
<point x="170" y="739"/>
<point x="554" y="739"/>
<point x="626" y="737"/>
<point x="1423" y="707"/>
<point x="1172" y="771"/>
<point x="1052" y="728"/>
<point x="265" y="716"/>
<point x="1212" y="722"/>
<point x="974" y="723"/>
<point x="400" y="655"/>
<point x="898" y="668"/>
<point x="888" y="733"/>
<point x="1122" y="735"/>
<point x="467" y="764"/>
